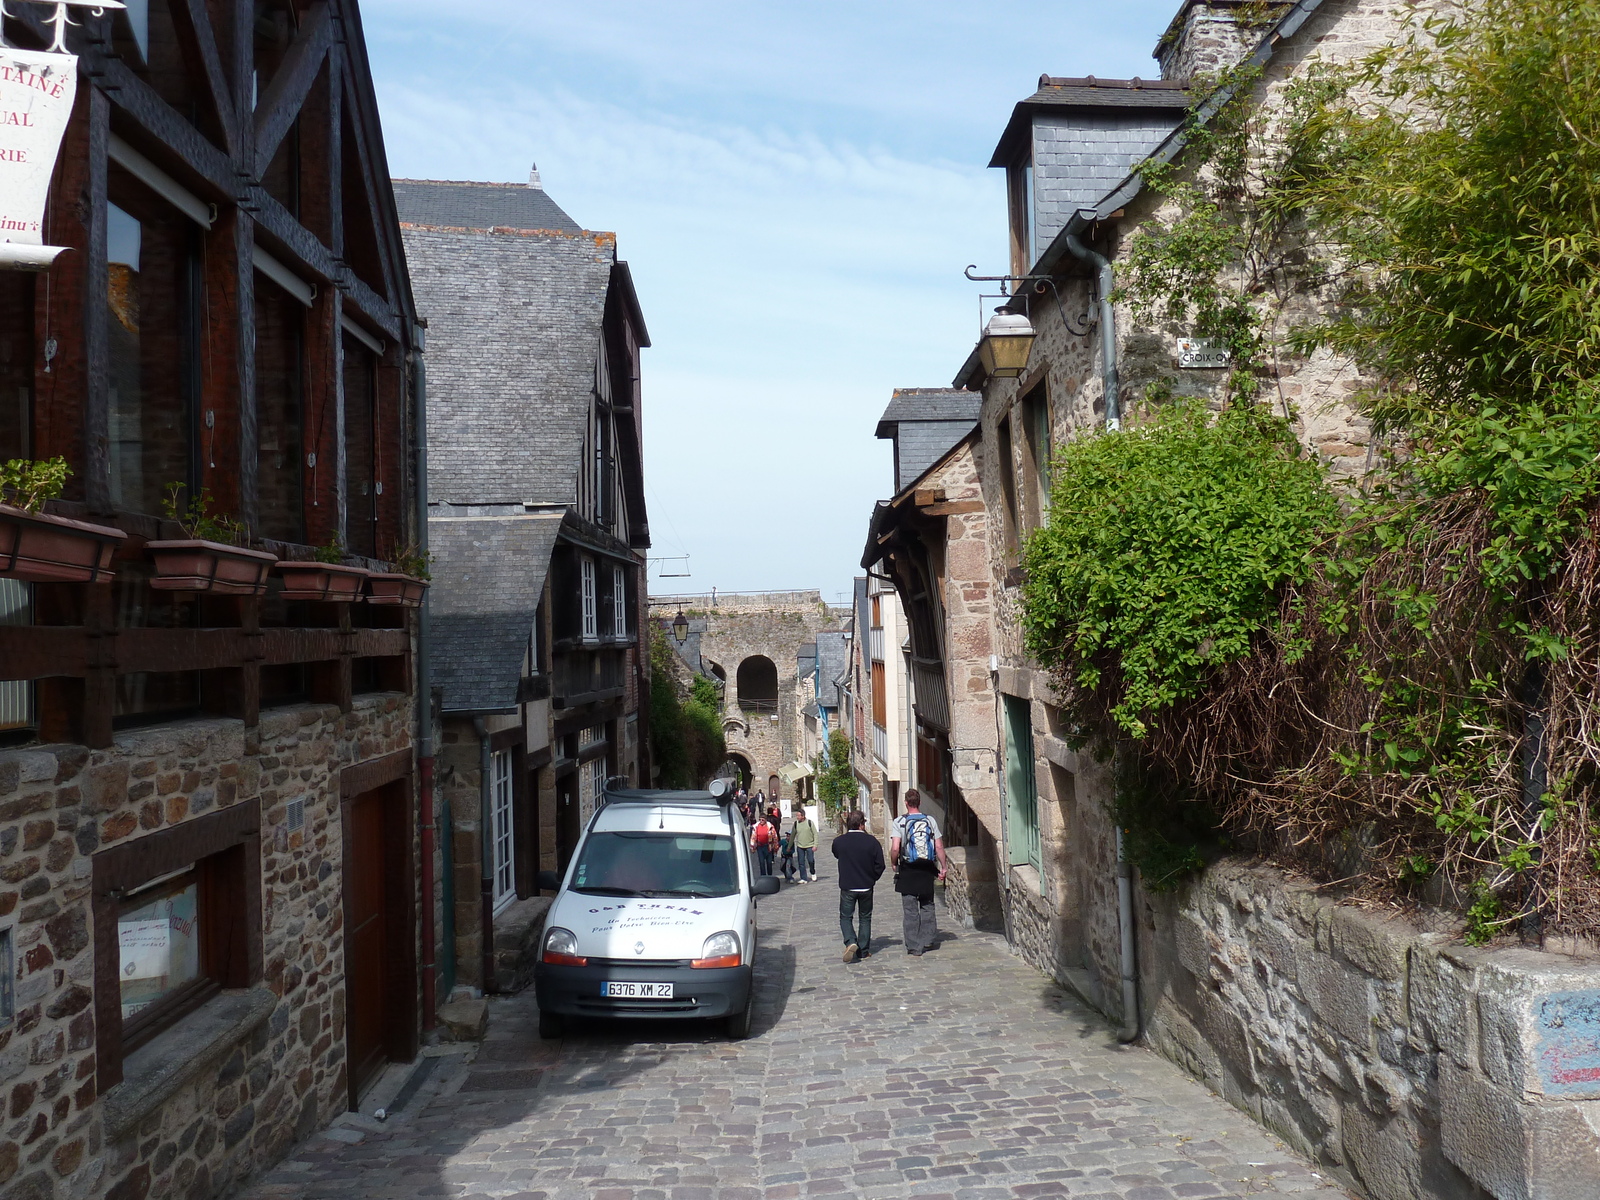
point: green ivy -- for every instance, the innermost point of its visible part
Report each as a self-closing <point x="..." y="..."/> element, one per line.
<point x="1166" y="548"/>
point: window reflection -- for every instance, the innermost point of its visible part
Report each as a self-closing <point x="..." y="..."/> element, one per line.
<point x="158" y="936"/>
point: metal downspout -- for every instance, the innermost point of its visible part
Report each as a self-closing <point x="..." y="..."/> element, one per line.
<point x="1106" y="283"/>
<point x="1130" y="960"/>
<point x="486" y="840"/>
<point x="424" y="683"/>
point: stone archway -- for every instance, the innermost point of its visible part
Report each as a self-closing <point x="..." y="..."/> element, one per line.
<point x="738" y="769"/>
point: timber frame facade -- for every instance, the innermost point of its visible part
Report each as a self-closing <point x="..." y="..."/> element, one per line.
<point x="209" y="830"/>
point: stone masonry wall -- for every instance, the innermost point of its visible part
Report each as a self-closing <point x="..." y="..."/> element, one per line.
<point x="285" y="1075"/>
<point x="1408" y="1064"/>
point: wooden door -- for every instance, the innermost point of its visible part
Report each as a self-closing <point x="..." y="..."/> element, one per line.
<point x="366" y="941"/>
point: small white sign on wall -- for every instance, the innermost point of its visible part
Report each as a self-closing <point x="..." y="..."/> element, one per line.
<point x="1203" y="353"/>
<point x="36" y="94"/>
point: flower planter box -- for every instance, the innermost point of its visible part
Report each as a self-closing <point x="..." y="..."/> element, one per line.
<point x="402" y="590"/>
<point x="43" y="549"/>
<point x="322" y="581"/>
<point x="201" y="566"/>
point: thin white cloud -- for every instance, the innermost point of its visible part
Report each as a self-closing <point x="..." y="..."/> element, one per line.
<point x="796" y="186"/>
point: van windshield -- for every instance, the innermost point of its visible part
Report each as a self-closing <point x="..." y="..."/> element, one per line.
<point x="656" y="864"/>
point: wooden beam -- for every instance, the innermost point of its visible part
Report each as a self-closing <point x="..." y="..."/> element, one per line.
<point x="280" y="104"/>
<point x="96" y="335"/>
<point x="301" y="250"/>
<point x="210" y="169"/>
<point x="54" y="651"/>
<point x="192" y="21"/>
<point x="369" y="190"/>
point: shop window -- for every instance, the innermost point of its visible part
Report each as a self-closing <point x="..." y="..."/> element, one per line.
<point x="1005" y="467"/>
<point x="280" y="434"/>
<point x="500" y="828"/>
<point x="16" y="365"/>
<point x="176" y="918"/>
<point x="619" y="602"/>
<point x="151" y="293"/>
<point x="1036" y="432"/>
<point x="16" y="695"/>
<point x="1022" y="793"/>
<point x="360" y="450"/>
<point x="591" y="613"/>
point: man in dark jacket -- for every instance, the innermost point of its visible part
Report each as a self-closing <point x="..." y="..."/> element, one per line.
<point x="860" y="864"/>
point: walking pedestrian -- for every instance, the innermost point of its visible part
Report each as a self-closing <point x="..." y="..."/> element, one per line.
<point x="763" y="840"/>
<point x="805" y="846"/>
<point x="860" y="865"/>
<point x="786" y="855"/>
<point x="917" y="851"/>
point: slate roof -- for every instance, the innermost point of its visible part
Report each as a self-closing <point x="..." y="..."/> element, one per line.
<point x="479" y="205"/>
<point x="513" y="339"/>
<point x="1088" y="93"/>
<point x="488" y="574"/>
<point x="833" y="661"/>
<point x="930" y="404"/>
<point x="923" y="423"/>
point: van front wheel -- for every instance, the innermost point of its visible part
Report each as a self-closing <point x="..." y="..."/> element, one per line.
<point x="739" y="1022"/>
<point x="551" y="1026"/>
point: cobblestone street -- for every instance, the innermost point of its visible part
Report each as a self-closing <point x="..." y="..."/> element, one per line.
<point x="855" y="1082"/>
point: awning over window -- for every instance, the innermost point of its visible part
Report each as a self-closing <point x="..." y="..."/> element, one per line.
<point x="795" y="772"/>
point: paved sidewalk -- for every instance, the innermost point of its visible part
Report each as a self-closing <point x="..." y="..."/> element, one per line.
<point x="962" y="1074"/>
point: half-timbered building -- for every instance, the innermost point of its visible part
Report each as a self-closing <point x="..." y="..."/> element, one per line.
<point x="211" y="925"/>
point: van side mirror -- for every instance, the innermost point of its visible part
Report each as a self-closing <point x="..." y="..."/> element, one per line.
<point x="549" y="881"/>
<point x="764" y="885"/>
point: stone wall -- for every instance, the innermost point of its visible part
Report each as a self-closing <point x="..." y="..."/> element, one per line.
<point x="1408" y="1064"/>
<point x="228" y="1089"/>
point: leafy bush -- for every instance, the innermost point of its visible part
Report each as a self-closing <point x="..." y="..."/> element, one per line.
<point x="686" y="739"/>
<point x="199" y="518"/>
<point x="836" y="780"/>
<point x="27" y="485"/>
<point x="1165" y="552"/>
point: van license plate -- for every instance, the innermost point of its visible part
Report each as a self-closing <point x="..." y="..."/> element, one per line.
<point x="637" y="991"/>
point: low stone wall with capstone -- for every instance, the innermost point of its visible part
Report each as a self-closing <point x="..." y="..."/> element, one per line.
<point x="1406" y="1063"/>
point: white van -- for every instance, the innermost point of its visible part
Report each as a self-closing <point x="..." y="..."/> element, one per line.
<point x="656" y="916"/>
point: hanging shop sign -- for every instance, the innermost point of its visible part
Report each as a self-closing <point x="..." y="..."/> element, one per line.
<point x="37" y="88"/>
<point x="1202" y="353"/>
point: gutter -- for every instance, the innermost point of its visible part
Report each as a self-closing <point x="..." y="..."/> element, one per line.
<point x="1106" y="283"/>
<point x="425" y="761"/>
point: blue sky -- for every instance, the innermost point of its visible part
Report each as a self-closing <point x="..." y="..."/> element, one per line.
<point x="797" y="187"/>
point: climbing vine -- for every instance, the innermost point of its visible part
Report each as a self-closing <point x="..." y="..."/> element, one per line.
<point x="1398" y="687"/>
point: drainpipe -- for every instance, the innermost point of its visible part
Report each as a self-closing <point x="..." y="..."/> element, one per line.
<point x="486" y="839"/>
<point x="424" y="684"/>
<point x="1106" y="283"/>
<point x="1130" y="962"/>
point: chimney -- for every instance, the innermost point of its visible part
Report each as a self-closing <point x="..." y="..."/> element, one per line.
<point x="1209" y="36"/>
<point x="533" y="178"/>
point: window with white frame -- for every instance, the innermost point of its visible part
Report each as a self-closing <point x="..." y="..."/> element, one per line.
<point x="591" y="610"/>
<point x="505" y="882"/>
<point x="592" y="783"/>
<point x="619" y="602"/>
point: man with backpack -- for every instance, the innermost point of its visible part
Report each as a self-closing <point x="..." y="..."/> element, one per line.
<point x="805" y="846"/>
<point x="860" y="864"/>
<point x="917" y="851"/>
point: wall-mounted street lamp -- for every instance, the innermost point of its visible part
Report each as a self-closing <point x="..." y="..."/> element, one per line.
<point x="1007" y="341"/>
<point x="680" y="626"/>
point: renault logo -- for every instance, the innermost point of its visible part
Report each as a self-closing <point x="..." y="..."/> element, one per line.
<point x="638" y="947"/>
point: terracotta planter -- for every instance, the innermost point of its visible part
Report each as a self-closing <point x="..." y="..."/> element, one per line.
<point x="201" y="566"/>
<point x="322" y="581"/>
<point x="45" y="549"/>
<point x="402" y="590"/>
